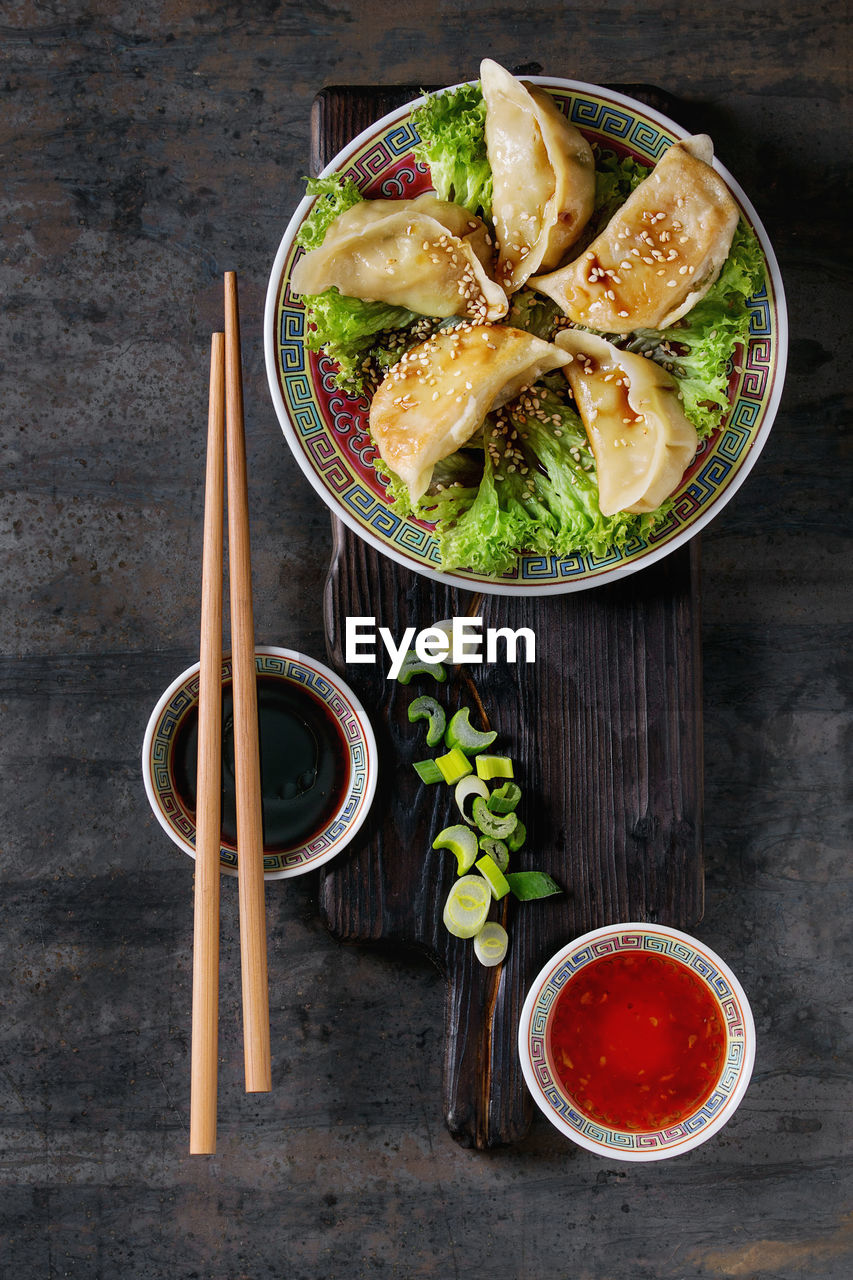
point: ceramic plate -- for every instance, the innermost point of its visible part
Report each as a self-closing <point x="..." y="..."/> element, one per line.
<point x="178" y="820"/>
<point x="328" y="431"/>
<point x="544" y="1083"/>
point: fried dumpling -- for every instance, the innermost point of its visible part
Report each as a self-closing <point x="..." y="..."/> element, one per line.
<point x="659" y="254"/>
<point x="438" y="395"/>
<point x="543" y="176"/>
<point x="426" y="254"/>
<point x="633" y="418"/>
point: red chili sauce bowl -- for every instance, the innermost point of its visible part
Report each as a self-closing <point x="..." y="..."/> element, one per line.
<point x="637" y="1041"/>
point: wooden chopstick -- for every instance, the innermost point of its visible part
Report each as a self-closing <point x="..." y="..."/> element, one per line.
<point x="250" y="862"/>
<point x="205" y="1013"/>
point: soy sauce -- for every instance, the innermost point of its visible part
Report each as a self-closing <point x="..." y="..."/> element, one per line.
<point x="304" y="764"/>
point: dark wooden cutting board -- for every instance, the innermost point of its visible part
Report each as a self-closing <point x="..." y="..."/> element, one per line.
<point x="605" y="729"/>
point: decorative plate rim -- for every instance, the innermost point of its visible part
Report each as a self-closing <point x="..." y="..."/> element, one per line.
<point x="506" y="586"/>
<point x="624" y="1145"/>
<point x="278" y="865"/>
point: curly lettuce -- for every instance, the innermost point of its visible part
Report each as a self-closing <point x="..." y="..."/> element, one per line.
<point x="452" y="131"/>
<point x="538" y="493"/>
<point x="334" y="196"/>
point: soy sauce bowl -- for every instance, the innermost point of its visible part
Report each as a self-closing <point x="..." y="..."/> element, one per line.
<point x="318" y="762"/>
<point x="605" y="1042"/>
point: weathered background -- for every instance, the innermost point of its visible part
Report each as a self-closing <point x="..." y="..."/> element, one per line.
<point x="142" y="156"/>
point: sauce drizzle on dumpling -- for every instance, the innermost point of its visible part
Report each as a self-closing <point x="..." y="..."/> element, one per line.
<point x="658" y="255"/>
<point x="435" y="399"/>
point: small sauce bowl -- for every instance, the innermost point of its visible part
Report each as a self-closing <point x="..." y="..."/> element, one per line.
<point x="637" y="1042"/>
<point x="314" y="801"/>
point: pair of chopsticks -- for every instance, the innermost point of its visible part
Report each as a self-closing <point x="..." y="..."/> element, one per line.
<point x="226" y="436"/>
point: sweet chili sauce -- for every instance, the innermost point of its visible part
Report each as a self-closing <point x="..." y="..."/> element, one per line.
<point x="637" y="1041"/>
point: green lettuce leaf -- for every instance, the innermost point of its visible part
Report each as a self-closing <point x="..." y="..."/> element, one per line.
<point x="334" y="195"/>
<point x="615" y="179"/>
<point x="538" y="494"/>
<point x="347" y="328"/>
<point x="452" y="131"/>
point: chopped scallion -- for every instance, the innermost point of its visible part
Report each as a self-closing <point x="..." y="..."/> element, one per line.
<point x="505" y="799"/>
<point x="454" y="765"/>
<point x="462" y="843"/>
<point x="426" y="708"/>
<point x="461" y="733"/>
<point x="490" y="944"/>
<point x="517" y="837"/>
<point x="497" y="850"/>
<point x="469" y="786"/>
<point x="428" y="771"/>
<point x="467" y="906"/>
<point x="527" y="885"/>
<point x="489" y="767"/>
<point x="497" y="825"/>
<point x="492" y="873"/>
<point x="412" y="665"/>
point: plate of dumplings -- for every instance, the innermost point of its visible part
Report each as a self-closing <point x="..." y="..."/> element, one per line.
<point x="507" y="384"/>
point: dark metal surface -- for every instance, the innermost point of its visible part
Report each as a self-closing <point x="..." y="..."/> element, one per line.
<point x="143" y="155"/>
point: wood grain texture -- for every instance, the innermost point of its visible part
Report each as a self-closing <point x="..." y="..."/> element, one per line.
<point x="606" y="726"/>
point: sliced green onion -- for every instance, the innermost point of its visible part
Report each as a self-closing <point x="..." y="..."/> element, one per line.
<point x="462" y="843"/>
<point x="505" y="799"/>
<point x="467" y="906"/>
<point x="497" y="851"/>
<point x="469" y="647"/>
<point x="426" y="708"/>
<point x="498" y="826"/>
<point x="461" y="733"/>
<point x="489" y="767"/>
<point x="492" y="874"/>
<point x="454" y="765"/>
<point x="527" y="885"/>
<point x="412" y="665"/>
<point x="490" y="944"/>
<point x="428" y="771"/>
<point x="466" y="787"/>
<point x="517" y="837"/>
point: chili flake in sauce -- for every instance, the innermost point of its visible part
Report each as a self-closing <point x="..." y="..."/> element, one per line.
<point x="637" y="1041"/>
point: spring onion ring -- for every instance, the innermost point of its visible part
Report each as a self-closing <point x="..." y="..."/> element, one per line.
<point x="490" y="944"/>
<point x="466" y="787"/>
<point x="467" y="906"/>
